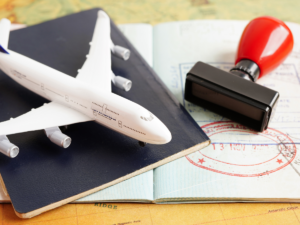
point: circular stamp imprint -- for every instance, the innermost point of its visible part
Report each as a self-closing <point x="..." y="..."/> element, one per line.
<point x="239" y="151"/>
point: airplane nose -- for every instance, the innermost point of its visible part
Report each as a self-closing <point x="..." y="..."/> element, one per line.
<point x="156" y="130"/>
<point x="162" y="133"/>
<point x="166" y="135"/>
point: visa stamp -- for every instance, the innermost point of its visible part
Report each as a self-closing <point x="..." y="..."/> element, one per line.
<point x="239" y="151"/>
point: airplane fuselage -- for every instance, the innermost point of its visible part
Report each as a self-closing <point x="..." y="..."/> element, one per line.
<point x="106" y="108"/>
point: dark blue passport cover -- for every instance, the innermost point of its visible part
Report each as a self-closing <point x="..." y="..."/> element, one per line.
<point x="44" y="176"/>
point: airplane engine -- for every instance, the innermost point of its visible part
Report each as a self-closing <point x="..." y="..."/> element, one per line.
<point x="119" y="51"/>
<point x="57" y="137"/>
<point x="121" y="82"/>
<point x="7" y="148"/>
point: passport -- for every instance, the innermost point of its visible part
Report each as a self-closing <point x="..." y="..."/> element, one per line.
<point x="44" y="176"/>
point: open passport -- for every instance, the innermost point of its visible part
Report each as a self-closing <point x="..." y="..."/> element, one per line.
<point x="240" y="165"/>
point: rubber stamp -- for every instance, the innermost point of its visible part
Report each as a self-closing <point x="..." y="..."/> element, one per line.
<point x="264" y="44"/>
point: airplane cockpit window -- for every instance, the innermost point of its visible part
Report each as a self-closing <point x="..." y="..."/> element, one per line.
<point x="146" y="115"/>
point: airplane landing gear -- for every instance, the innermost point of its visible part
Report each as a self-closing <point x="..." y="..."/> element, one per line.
<point x="142" y="144"/>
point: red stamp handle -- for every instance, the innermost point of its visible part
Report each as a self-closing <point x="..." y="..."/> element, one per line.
<point x="267" y="41"/>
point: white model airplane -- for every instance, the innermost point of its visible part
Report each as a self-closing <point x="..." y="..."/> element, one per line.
<point x="87" y="97"/>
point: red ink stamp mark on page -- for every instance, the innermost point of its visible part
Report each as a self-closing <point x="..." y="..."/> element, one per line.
<point x="242" y="152"/>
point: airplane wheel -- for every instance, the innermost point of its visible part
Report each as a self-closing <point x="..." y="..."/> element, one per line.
<point x="64" y="128"/>
<point x="142" y="144"/>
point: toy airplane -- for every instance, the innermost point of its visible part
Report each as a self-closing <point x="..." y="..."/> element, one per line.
<point x="87" y="97"/>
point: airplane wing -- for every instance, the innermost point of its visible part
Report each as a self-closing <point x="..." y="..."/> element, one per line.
<point x="97" y="68"/>
<point x="49" y="115"/>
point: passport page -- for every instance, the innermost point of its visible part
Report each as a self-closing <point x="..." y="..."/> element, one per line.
<point x="240" y="164"/>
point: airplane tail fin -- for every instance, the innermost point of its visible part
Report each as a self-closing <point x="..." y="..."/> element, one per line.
<point x="3" y="50"/>
<point x="4" y="35"/>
